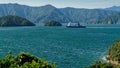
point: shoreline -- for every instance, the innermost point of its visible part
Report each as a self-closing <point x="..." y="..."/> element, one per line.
<point x="104" y="59"/>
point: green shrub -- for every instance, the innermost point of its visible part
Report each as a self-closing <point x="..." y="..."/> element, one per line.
<point x="24" y="60"/>
<point x="99" y="64"/>
<point x="114" y="51"/>
<point x="114" y="55"/>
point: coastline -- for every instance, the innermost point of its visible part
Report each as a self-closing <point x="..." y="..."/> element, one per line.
<point x="107" y="59"/>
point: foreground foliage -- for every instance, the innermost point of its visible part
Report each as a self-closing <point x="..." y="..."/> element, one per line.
<point x="113" y="57"/>
<point x="24" y="60"/>
<point x="114" y="52"/>
<point x="99" y="64"/>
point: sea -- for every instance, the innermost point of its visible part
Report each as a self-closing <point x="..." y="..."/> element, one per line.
<point x="66" y="47"/>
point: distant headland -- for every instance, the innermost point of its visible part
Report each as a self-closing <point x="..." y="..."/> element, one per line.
<point x="12" y="20"/>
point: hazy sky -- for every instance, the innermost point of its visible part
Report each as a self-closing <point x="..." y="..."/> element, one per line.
<point x="67" y="3"/>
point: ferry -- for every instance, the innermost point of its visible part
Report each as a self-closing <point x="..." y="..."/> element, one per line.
<point x="76" y="25"/>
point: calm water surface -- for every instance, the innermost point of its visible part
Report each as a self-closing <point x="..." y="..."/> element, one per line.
<point x="69" y="48"/>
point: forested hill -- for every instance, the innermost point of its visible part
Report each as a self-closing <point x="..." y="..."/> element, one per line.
<point x="34" y="14"/>
<point x="113" y="19"/>
<point x="89" y="16"/>
<point x="113" y="58"/>
<point x="11" y="20"/>
<point x="48" y="12"/>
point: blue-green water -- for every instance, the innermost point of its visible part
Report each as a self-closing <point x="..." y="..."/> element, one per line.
<point x="69" y="48"/>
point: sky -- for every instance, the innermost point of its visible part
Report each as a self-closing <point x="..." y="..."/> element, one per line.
<point x="91" y="4"/>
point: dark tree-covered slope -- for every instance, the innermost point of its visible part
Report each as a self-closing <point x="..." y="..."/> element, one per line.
<point x="11" y="20"/>
<point x="53" y="23"/>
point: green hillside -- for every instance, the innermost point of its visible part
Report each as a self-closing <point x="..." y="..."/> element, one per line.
<point x="11" y="20"/>
<point x="113" y="57"/>
<point x="24" y="60"/>
<point x="88" y="16"/>
<point x="53" y="23"/>
<point x="113" y="19"/>
<point x="48" y="12"/>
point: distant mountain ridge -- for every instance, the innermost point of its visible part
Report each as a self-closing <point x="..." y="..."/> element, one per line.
<point x="89" y="16"/>
<point x="34" y="14"/>
<point x="113" y="19"/>
<point x="114" y="8"/>
<point x="49" y="12"/>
